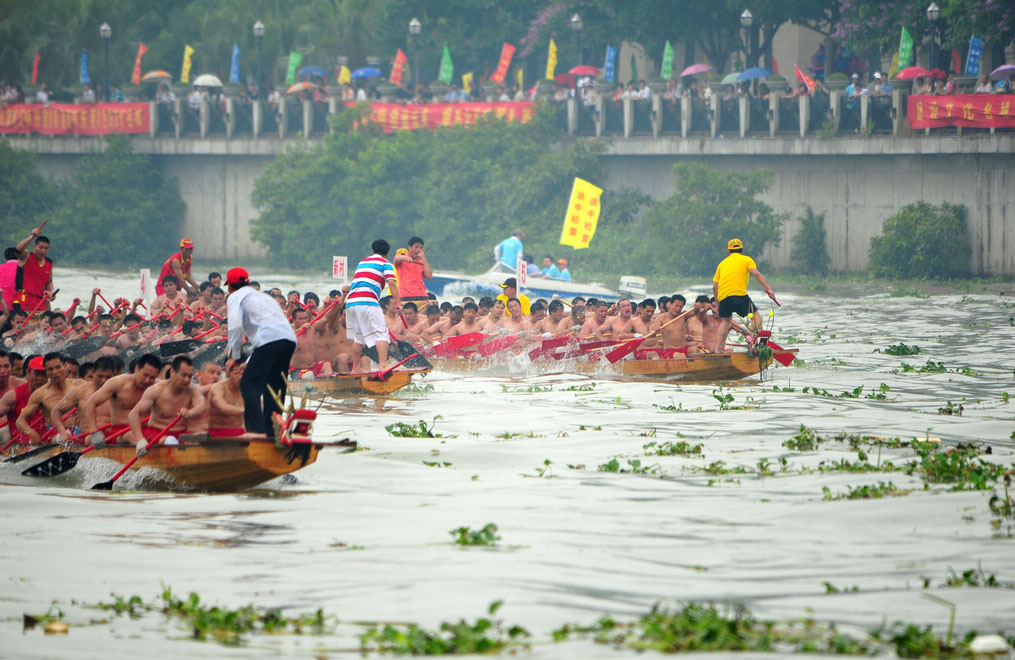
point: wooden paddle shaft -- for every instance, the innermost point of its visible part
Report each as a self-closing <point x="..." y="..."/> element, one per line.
<point x="150" y="444"/>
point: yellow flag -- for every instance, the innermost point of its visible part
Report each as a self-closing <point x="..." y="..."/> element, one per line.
<point x="467" y="82"/>
<point x="551" y="61"/>
<point x="894" y="68"/>
<point x="344" y="75"/>
<point x="185" y="72"/>
<point x="520" y="77"/>
<point x="582" y="215"/>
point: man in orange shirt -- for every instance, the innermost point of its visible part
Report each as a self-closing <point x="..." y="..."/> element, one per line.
<point x="178" y="265"/>
<point x="412" y="268"/>
<point x="729" y="286"/>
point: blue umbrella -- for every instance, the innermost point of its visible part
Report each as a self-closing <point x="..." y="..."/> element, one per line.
<point x="319" y="71"/>
<point x="754" y="74"/>
<point x="366" y="72"/>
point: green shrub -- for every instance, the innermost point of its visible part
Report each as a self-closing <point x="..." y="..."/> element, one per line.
<point x="922" y="241"/>
<point x="809" y="255"/>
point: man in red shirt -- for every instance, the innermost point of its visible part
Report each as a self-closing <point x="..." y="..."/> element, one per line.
<point x="36" y="272"/>
<point x="412" y="269"/>
<point x="178" y="265"/>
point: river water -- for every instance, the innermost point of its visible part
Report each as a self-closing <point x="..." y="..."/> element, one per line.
<point x="365" y="535"/>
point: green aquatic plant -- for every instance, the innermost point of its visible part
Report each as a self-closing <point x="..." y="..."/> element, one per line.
<point x="951" y="409"/>
<point x="486" y="536"/>
<point x="959" y="466"/>
<point x="806" y="440"/>
<point x="580" y="388"/>
<point x="546" y="467"/>
<point x="899" y="349"/>
<point x="437" y="464"/>
<point x="832" y="589"/>
<point x="403" y="430"/>
<point x="724" y="398"/>
<point x="679" y="448"/>
<point x="634" y="466"/>
<point x="484" y="637"/>
<point x="973" y="577"/>
<point x="913" y="292"/>
<point x="414" y="388"/>
<point x="134" y="606"/>
<point x="776" y="388"/>
<point x="866" y="492"/>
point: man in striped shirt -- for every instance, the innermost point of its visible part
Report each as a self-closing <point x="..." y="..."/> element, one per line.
<point x="363" y="316"/>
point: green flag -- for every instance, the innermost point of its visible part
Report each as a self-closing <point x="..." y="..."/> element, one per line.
<point x="634" y="68"/>
<point x="667" y="71"/>
<point x="905" y="49"/>
<point x="294" y="64"/>
<point x="447" y="68"/>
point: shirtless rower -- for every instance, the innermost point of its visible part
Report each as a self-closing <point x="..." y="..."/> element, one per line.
<point x="669" y="308"/>
<point x="105" y="368"/>
<point x="514" y="321"/>
<point x="218" y="302"/>
<point x="698" y="326"/>
<point x="548" y="327"/>
<point x="12" y="403"/>
<point x="225" y="405"/>
<point x="165" y="400"/>
<point x="303" y="357"/>
<point x="572" y="323"/>
<point x="641" y="324"/>
<point x="469" y="322"/>
<point x="208" y="375"/>
<point x="491" y="322"/>
<point x="123" y="393"/>
<point x="171" y="298"/>
<point x="415" y="322"/>
<point x="8" y="383"/>
<point x="674" y="334"/>
<point x="594" y="326"/>
<point x="343" y="350"/>
<point x="440" y="329"/>
<point x="46" y="397"/>
<point x="328" y="331"/>
<point x="619" y="326"/>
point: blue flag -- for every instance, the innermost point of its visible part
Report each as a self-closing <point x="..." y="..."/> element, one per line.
<point x="610" y="67"/>
<point x="85" y="78"/>
<point x="973" y="59"/>
<point x="234" y="75"/>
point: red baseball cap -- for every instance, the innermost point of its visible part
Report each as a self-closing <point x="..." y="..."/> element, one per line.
<point x="186" y="243"/>
<point x="35" y="364"/>
<point x="237" y="275"/>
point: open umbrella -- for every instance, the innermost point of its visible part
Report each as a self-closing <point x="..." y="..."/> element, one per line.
<point x="366" y="72"/>
<point x="207" y="80"/>
<point x="585" y="70"/>
<point x="1002" y="72"/>
<point x="318" y="71"/>
<point x="695" y="68"/>
<point x="913" y="72"/>
<point x="755" y="73"/>
<point x="300" y="86"/>
<point x="156" y="76"/>
<point x="731" y="78"/>
<point x="565" y="79"/>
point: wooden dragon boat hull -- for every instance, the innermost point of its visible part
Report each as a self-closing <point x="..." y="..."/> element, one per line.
<point x="357" y="384"/>
<point x="704" y="368"/>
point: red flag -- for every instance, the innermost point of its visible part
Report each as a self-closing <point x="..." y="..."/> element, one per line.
<point x="804" y="79"/>
<point x="956" y="62"/>
<point x="136" y="78"/>
<point x="775" y="66"/>
<point x="506" y="53"/>
<point x="35" y="70"/>
<point x="398" y="67"/>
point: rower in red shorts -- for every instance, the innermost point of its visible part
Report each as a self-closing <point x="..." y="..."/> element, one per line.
<point x="165" y="400"/>
<point x="225" y="401"/>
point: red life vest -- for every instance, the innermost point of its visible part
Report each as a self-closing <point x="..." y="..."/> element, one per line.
<point x="167" y="269"/>
<point x="33" y="282"/>
<point x="36" y="421"/>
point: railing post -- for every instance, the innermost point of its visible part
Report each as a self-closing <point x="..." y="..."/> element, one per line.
<point x="773" y="114"/>
<point x="600" y="116"/>
<point x="572" y="115"/>
<point x="282" y="117"/>
<point x="153" y="118"/>
<point x="308" y="118"/>
<point x="628" y="117"/>
<point x="333" y="102"/>
<point x="203" y="118"/>
<point x="896" y="111"/>
<point x="178" y="117"/>
<point x="657" y="115"/>
<point x="745" y="115"/>
<point x="257" y="117"/>
<point x="685" y="115"/>
<point x="833" y="105"/>
<point x="864" y="109"/>
<point x="714" y="116"/>
<point x="805" y="114"/>
<point x="230" y="116"/>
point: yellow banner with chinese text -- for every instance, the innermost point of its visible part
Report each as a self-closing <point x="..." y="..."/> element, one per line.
<point x="582" y="215"/>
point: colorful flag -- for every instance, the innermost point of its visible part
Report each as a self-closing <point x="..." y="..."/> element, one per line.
<point x="775" y="66"/>
<point x="344" y="75"/>
<point x="135" y="77"/>
<point x="893" y="68"/>
<point x="634" y="68"/>
<point x="398" y="68"/>
<point x="185" y="71"/>
<point x="582" y="215"/>
<point x="467" y="82"/>
<point x="610" y="66"/>
<point x="85" y="78"/>
<point x="234" y="71"/>
<point x="956" y="60"/>
<point x="520" y="77"/>
<point x="551" y="60"/>
<point x="905" y="49"/>
<point x="667" y="69"/>
<point x="35" y="70"/>
<point x="447" y="73"/>
<point x="294" y="64"/>
<point x="802" y="77"/>
<point x="506" y="53"/>
<point x="973" y="59"/>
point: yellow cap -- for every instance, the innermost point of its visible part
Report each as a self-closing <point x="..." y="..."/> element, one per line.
<point x="735" y="244"/>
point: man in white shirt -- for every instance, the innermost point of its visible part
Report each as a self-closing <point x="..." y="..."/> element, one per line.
<point x="259" y="317"/>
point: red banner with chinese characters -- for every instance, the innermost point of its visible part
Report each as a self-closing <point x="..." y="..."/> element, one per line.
<point x="967" y="110"/>
<point x="506" y="53"/>
<point x="64" y="119"/>
<point x="398" y="117"/>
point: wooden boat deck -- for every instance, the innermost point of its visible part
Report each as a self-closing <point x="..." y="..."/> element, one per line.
<point x="358" y="383"/>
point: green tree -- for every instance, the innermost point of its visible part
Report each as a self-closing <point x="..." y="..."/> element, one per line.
<point x="922" y="241"/>
<point x="25" y="196"/>
<point x="708" y="208"/>
<point x="810" y="255"/>
<point x="116" y="200"/>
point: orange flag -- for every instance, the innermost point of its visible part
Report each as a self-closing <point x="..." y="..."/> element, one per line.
<point x="398" y="67"/>
<point x="802" y="77"/>
<point x="35" y="69"/>
<point x="136" y="78"/>
<point x="506" y="53"/>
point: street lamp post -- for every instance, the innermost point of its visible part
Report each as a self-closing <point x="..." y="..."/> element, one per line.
<point x="259" y="34"/>
<point x="415" y="27"/>
<point x="933" y="14"/>
<point x="747" y="20"/>
<point x="576" y="26"/>
<point x="106" y="33"/>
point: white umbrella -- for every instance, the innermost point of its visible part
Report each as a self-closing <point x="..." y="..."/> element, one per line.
<point x="207" y="80"/>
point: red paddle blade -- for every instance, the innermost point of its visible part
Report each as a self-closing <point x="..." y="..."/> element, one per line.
<point x="386" y="374"/>
<point x="464" y="341"/>
<point x="785" y="359"/>
<point x="497" y="345"/>
<point x="623" y="350"/>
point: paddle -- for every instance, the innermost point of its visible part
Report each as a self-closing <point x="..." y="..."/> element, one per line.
<point x="29" y="454"/>
<point x="632" y="344"/>
<point x="404" y="349"/>
<point x="497" y="345"/>
<point x="457" y="343"/>
<point x="384" y="375"/>
<point x="66" y="460"/>
<point x="108" y="485"/>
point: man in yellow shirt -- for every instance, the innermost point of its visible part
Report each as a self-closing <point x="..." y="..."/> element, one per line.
<point x="729" y="286"/>
<point x="510" y="287"/>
